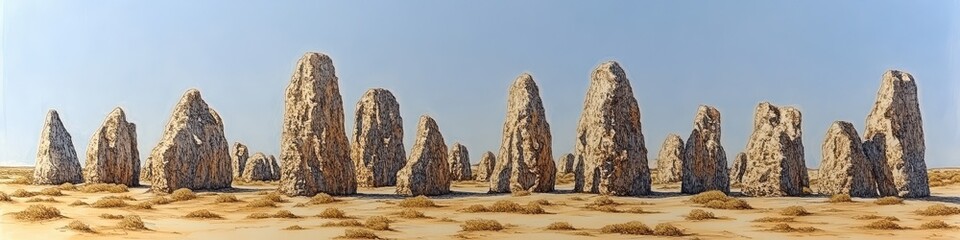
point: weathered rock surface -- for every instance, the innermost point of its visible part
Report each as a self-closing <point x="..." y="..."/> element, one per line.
<point x="565" y="164"/>
<point x="738" y="169"/>
<point x="670" y="160"/>
<point x="57" y="161"/>
<point x="459" y="161"/>
<point x="377" y="148"/>
<point x="844" y="167"/>
<point x="487" y="162"/>
<point x="775" y="163"/>
<point x="427" y="171"/>
<point x="193" y="152"/>
<point x="239" y="158"/>
<point x="895" y="134"/>
<point x="274" y="168"/>
<point x="609" y="137"/>
<point x="112" y="155"/>
<point x="146" y="173"/>
<point x="259" y="167"/>
<point x="525" y="161"/>
<point x="314" y="152"/>
<point x="704" y="160"/>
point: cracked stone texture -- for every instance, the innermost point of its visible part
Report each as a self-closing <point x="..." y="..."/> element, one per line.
<point x="112" y="154"/>
<point x="894" y="134"/>
<point x="565" y="164"/>
<point x="704" y="160"/>
<point x="775" y="163"/>
<point x="525" y="161"/>
<point x="193" y="152"/>
<point x="459" y="161"/>
<point x="377" y="147"/>
<point x="609" y="137"/>
<point x="844" y="167"/>
<point x="670" y="160"/>
<point x="427" y="171"/>
<point x="487" y="162"/>
<point x="738" y="169"/>
<point x="239" y="158"/>
<point x="259" y="167"/>
<point x="314" y="152"/>
<point x="57" y="161"/>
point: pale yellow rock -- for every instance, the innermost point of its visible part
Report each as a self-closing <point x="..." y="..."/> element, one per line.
<point x="112" y="155"/>
<point x="427" y="171"/>
<point x="57" y="161"/>
<point x="377" y="147"/>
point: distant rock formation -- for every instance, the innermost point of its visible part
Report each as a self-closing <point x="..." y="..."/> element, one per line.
<point x="377" y="149"/>
<point x="704" y="160"/>
<point x="738" y="169"/>
<point x="146" y="173"/>
<point x="427" y="171"/>
<point x="844" y="167"/>
<point x="670" y="160"/>
<point x="260" y="168"/>
<point x="775" y="163"/>
<point x="487" y="162"/>
<point x="314" y="152"/>
<point x="609" y="137"/>
<point x="57" y="161"/>
<point x="525" y="161"/>
<point x="459" y="161"/>
<point x="565" y="164"/>
<point x="894" y="136"/>
<point x="239" y="158"/>
<point x="112" y="155"/>
<point x="274" y="168"/>
<point x="193" y="152"/>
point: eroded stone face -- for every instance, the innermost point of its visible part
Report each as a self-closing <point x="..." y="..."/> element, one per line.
<point x="487" y="162"/>
<point x="704" y="160"/>
<point x="377" y="148"/>
<point x="193" y="152"/>
<point x="609" y="137"/>
<point x="427" y="171"/>
<point x="57" y="161"/>
<point x="459" y="161"/>
<point x="314" y="152"/>
<point x="844" y="168"/>
<point x="775" y="162"/>
<point x="894" y="136"/>
<point x="112" y="155"/>
<point x="565" y="164"/>
<point x="239" y="158"/>
<point x="259" y="167"/>
<point x="738" y="169"/>
<point x="525" y="161"/>
<point x="670" y="160"/>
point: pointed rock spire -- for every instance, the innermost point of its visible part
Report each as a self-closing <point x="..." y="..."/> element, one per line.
<point x="427" y="171"/>
<point x="112" y="155"/>
<point x="377" y="148"/>
<point x="459" y="161"/>
<point x="670" y="160"/>
<point x="775" y="162"/>
<point x="894" y="136"/>
<point x="525" y="161"/>
<point x="57" y="161"/>
<point x="704" y="160"/>
<point x="487" y="162"/>
<point x="844" y="168"/>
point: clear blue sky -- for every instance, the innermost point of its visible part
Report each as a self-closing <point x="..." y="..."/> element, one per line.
<point x="455" y="60"/>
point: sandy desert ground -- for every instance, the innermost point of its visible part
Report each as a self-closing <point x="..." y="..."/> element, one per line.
<point x="587" y="213"/>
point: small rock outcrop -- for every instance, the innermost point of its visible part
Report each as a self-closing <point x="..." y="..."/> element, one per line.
<point x="487" y="162"/>
<point x="565" y="164"/>
<point x="844" y="168"/>
<point x="377" y="148"/>
<point x="314" y="152"/>
<point x="704" y="160"/>
<point x="459" y="161"/>
<point x="57" y="161"/>
<point x="193" y="152"/>
<point x="525" y="161"/>
<point x="775" y="163"/>
<point x="112" y="155"/>
<point x="738" y="169"/>
<point x="427" y="171"/>
<point x="274" y="168"/>
<point x="260" y="168"/>
<point x="239" y="158"/>
<point x="670" y="160"/>
<point x="894" y="136"/>
<point x="609" y="137"/>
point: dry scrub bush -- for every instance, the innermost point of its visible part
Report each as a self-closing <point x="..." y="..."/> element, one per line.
<point x="183" y="194"/>
<point x="562" y="226"/>
<point x="23" y="180"/>
<point x="507" y="207"/>
<point x="939" y="210"/>
<point x="203" y="214"/>
<point x="603" y="201"/>
<point x="332" y="213"/>
<point x="4" y="197"/>
<point x="321" y="198"/>
<point x="344" y="223"/>
<point x="417" y="202"/>
<point x="872" y="217"/>
<point x="359" y="234"/>
<point x="783" y="227"/>
<point x="718" y="200"/>
<point x="884" y="224"/>
<point x="258" y="215"/>
<point x="542" y="202"/>
<point x="665" y="229"/>
<point x="38" y="212"/>
<point x="108" y="203"/>
<point x="411" y="213"/>
<point x="608" y="209"/>
<point x="475" y="208"/>
<point x="20" y="193"/>
<point x="284" y="214"/>
<point x="708" y="196"/>
<point x="632" y="228"/>
<point x="794" y="211"/>
<point x="935" y="224"/>
<point x="275" y="197"/>
<point x="635" y="210"/>
<point x="888" y="201"/>
<point x="160" y="200"/>
<point x="774" y="219"/>
<point x="40" y="199"/>
<point x="78" y="203"/>
<point x="259" y="203"/>
<point x="103" y="187"/>
<point x="481" y="225"/>
<point x="77" y="225"/>
<point x="121" y="197"/>
<point x="132" y="222"/>
<point x="226" y="198"/>
<point x="565" y="178"/>
<point x="67" y="187"/>
<point x="700" y="214"/>
<point x="379" y="223"/>
<point x="520" y="193"/>
<point x="294" y="227"/>
<point x="51" y="192"/>
<point x="143" y="206"/>
<point x="111" y="216"/>
<point x="840" y="198"/>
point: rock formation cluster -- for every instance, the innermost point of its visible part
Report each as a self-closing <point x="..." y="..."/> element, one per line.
<point x="427" y="171"/>
<point x="704" y="160"/>
<point x="775" y="161"/>
<point x="377" y="148"/>
<point x="670" y="160"/>
<point x="112" y="155"/>
<point x="487" y="162"/>
<point x="525" y="162"/>
<point x="57" y="161"/>
<point x="893" y="138"/>
<point x="844" y="168"/>
<point x="314" y="152"/>
<point x="565" y="164"/>
<point x="259" y="167"/>
<point x="609" y="137"/>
